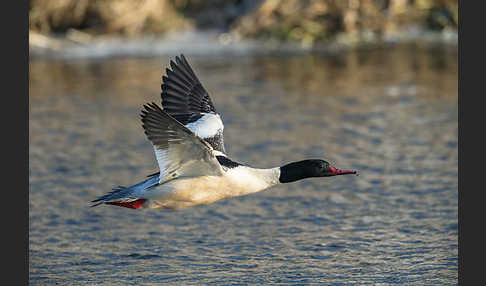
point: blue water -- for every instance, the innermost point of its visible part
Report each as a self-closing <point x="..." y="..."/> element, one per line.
<point x="390" y="113"/>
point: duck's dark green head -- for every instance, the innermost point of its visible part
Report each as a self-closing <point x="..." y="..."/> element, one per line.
<point x="308" y="169"/>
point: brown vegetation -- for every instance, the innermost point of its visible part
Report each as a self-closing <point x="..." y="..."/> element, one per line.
<point x="314" y="20"/>
<point x="127" y="17"/>
<point x="288" y="20"/>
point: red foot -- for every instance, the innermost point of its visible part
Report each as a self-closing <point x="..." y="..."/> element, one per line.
<point x="131" y="205"/>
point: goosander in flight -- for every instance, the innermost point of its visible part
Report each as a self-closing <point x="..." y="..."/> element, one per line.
<point x="187" y="137"/>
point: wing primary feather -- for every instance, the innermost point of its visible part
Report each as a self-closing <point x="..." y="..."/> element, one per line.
<point x="171" y="83"/>
<point x="188" y="67"/>
<point x="186" y="100"/>
<point x="177" y="70"/>
<point x="177" y="78"/>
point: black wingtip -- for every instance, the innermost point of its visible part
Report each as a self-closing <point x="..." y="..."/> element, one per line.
<point x="155" y="106"/>
<point x="182" y="92"/>
<point x="172" y="64"/>
<point x="151" y="107"/>
<point x="168" y="71"/>
<point x="146" y="108"/>
<point x="178" y="61"/>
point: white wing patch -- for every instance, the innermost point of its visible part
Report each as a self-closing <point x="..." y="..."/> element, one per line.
<point x="207" y="126"/>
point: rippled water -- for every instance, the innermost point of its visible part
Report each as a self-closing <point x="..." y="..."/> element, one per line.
<point x="390" y="113"/>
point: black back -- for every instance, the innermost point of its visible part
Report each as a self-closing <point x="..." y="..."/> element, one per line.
<point x="227" y="162"/>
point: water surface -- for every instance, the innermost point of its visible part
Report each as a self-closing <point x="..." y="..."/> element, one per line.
<point x="390" y="113"/>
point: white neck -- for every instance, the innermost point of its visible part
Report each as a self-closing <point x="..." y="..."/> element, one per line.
<point x="249" y="180"/>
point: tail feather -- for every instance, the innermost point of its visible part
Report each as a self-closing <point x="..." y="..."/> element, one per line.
<point x="128" y="196"/>
<point x="119" y="194"/>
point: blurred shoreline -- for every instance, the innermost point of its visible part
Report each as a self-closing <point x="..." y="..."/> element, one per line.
<point x="210" y="43"/>
<point x="97" y="29"/>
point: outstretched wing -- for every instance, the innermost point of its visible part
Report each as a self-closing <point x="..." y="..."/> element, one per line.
<point x="178" y="151"/>
<point x="185" y="99"/>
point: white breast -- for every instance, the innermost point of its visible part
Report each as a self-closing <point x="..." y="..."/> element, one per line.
<point x="245" y="180"/>
<point x="187" y="192"/>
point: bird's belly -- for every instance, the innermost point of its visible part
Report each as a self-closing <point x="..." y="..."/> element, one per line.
<point x="183" y="193"/>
